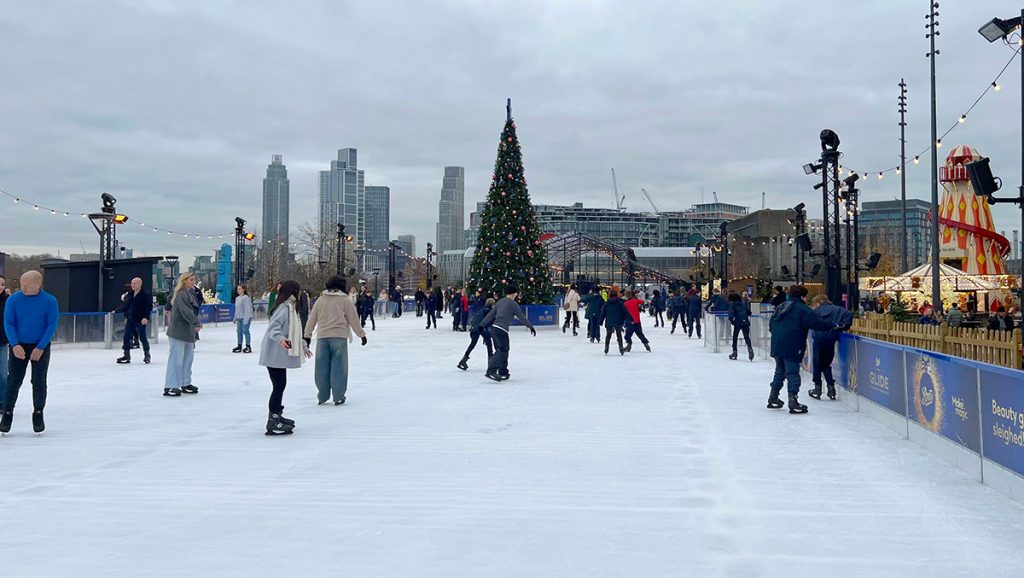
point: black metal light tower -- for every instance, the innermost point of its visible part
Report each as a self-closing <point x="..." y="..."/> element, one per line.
<point x="376" y="281"/>
<point x="933" y="27"/>
<point x="430" y="256"/>
<point x="903" y="174"/>
<point x="800" y="228"/>
<point x="724" y="236"/>
<point x="993" y="30"/>
<point x="239" y="250"/>
<point x="103" y="222"/>
<point x="392" y="246"/>
<point x="851" y="200"/>
<point x="340" y="248"/>
<point x="828" y="164"/>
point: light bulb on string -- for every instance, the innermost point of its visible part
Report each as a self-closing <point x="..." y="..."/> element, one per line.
<point x="963" y="118"/>
<point x="917" y="160"/>
<point x="996" y="87"/>
<point x="938" y="144"/>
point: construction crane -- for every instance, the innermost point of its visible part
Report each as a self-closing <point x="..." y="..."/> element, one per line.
<point x="715" y="194"/>
<point x="657" y="210"/>
<point x="615" y="189"/>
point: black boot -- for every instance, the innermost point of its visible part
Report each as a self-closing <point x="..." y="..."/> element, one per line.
<point x="237" y="349"/>
<point x="172" y="392"/>
<point x="462" y="364"/>
<point x="247" y="349"/>
<point x="816" y="392"/>
<point x="774" y="402"/>
<point x="832" y="391"/>
<point x="629" y="347"/>
<point x="492" y="376"/>
<point x="37" y="421"/>
<point x="277" y="427"/>
<point x="286" y="421"/>
<point x="733" y="354"/>
<point x="5" y="422"/>
<point x="750" y="353"/>
<point x="647" y="344"/>
<point x="795" y="406"/>
<point x="190" y="389"/>
<point x="126" y="358"/>
<point x="146" y="358"/>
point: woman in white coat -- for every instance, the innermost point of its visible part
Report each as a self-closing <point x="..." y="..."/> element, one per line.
<point x="283" y="348"/>
<point x="572" y="307"/>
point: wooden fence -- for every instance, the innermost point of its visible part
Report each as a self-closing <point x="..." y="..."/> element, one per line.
<point x="995" y="347"/>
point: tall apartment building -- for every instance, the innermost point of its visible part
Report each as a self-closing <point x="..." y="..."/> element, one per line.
<point x="343" y="197"/>
<point x="881" y="229"/>
<point x="451" y="211"/>
<point x="407" y="243"/>
<point x="275" y="202"/>
<point x="377" y="217"/>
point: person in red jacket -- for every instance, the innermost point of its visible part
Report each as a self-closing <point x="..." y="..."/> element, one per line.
<point x="633" y="323"/>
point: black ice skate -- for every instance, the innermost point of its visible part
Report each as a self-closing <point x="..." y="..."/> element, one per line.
<point x="190" y="389"/>
<point x="146" y="358"/>
<point x="5" y="422"/>
<point x="774" y="402"/>
<point x="37" y="421"/>
<point x="732" y="355"/>
<point x="247" y="349"/>
<point x="750" y="354"/>
<point x="172" y="392"/>
<point x="126" y="358"/>
<point x="340" y="401"/>
<point x="237" y="349"/>
<point x="462" y="364"/>
<point x="795" y="406"/>
<point x="277" y="427"/>
<point x="816" y="392"/>
<point x="504" y="375"/>
<point x="492" y="376"/>
<point x="648" y="346"/>
<point x="629" y="347"/>
<point x="832" y="392"/>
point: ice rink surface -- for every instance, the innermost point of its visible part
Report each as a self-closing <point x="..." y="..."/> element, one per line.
<point x="655" y="464"/>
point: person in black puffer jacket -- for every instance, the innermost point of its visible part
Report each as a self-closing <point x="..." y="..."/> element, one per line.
<point x="614" y="316"/>
<point x="739" y="316"/>
<point x="789" y="325"/>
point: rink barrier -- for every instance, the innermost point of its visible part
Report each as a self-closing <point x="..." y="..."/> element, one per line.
<point x="969" y="413"/>
<point x="103" y="330"/>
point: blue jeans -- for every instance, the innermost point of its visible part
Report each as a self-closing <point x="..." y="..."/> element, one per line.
<point x="788" y="371"/>
<point x="179" y="363"/>
<point x="242" y="329"/>
<point x="331" y="371"/>
<point x="5" y="351"/>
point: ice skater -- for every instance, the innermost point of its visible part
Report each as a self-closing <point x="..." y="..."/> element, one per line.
<point x="30" y="322"/>
<point x="477" y="331"/>
<point x="432" y="308"/>
<point x="572" y="307"/>
<point x="334" y="317"/>
<point x="789" y="325"/>
<point x="182" y="332"/>
<point x="677" y="310"/>
<point x="633" y="306"/>
<point x="823" y="346"/>
<point x="593" y="303"/>
<point x="657" y="309"/>
<point x="283" y="348"/>
<point x="693" y="312"/>
<point x="613" y="315"/>
<point x="243" y="319"/>
<point x="739" y="317"/>
<point x="499" y="319"/>
<point x="4" y="343"/>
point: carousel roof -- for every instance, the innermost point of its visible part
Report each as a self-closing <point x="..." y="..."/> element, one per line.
<point x="961" y="281"/>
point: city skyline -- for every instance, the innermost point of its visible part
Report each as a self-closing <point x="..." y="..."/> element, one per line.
<point x="276" y="202"/>
<point x="736" y="121"/>
<point x="451" y="209"/>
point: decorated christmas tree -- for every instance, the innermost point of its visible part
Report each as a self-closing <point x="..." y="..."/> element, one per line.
<point x="508" y="249"/>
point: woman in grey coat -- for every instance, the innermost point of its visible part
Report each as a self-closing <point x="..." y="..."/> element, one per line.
<point x="181" y="336"/>
<point x="283" y="348"/>
<point x="243" y="319"/>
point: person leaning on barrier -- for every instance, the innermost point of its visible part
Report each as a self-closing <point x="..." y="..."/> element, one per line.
<point x="824" y="344"/>
<point x="954" y="317"/>
<point x="739" y="317"/>
<point x="1000" y="321"/>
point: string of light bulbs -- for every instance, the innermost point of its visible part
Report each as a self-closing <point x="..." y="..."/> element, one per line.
<point x="142" y="224"/>
<point x="990" y="87"/>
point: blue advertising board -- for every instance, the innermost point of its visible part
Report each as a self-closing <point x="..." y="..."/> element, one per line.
<point x="942" y="394"/>
<point x="540" y="315"/>
<point x="880" y="374"/>
<point x="843" y="368"/>
<point x="219" y="313"/>
<point x="1002" y="416"/>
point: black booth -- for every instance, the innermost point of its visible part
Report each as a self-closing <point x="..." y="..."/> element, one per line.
<point x="75" y="284"/>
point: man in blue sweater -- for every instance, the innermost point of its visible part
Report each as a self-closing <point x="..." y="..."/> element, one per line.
<point x="30" y="320"/>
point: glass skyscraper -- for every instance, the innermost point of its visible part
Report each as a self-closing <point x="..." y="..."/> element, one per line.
<point x="275" y="205"/>
<point x="450" y="219"/>
<point x="342" y="197"/>
<point x="378" y="217"/>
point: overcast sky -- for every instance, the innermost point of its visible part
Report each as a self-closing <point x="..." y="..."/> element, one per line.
<point x="176" y="107"/>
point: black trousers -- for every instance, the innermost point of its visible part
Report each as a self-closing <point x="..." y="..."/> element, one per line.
<point x="608" y="336"/>
<point x="16" y="376"/>
<point x="368" y="315"/>
<point x="431" y="318"/>
<point x="678" y="317"/>
<point x="635" y="329"/>
<point x="573" y="316"/>
<point x="134" y="331"/>
<point x="278" y="380"/>
<point x="475" y="336"/>
<point x="821" y="363"/>
<point x="419" y="309"/>
<point x="689" y="324"/>
<point x="594" y="327"/>
<point x="498" y="363"/>
<point x="745" y="330"/>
